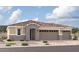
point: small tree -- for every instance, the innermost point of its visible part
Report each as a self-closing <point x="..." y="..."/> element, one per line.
<point x="75" y="30"/>
<point x="75" y="38"/>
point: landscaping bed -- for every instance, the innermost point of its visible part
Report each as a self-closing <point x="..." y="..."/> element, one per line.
<point x="9" y="44"/>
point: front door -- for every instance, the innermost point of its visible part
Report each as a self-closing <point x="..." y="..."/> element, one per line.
<point x="32" y="34"/>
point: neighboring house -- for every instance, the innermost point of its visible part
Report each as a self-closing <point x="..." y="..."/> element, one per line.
<point x="34" y="30"/>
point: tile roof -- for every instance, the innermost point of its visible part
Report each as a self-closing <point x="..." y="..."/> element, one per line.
<point x="40" y="23"/>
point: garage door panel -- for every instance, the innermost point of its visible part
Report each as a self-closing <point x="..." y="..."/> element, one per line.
<point x="66" y="36"/>
<point x="48" y="35"/>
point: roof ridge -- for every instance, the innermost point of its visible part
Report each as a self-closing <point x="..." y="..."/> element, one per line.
<point x="40" y="23"/>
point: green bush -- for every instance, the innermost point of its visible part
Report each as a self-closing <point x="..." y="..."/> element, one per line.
<point x="10" y="40"/>
<point x="8" y="44"/>
<point x="45" y="41"/>
<point x="47" y="44"/>
<point x="22" y="40"/>
<point x="24" y="44"/>
<point x="75" y="38"/>
<point x="4" y="37"/>
<point x="12" y="43"/>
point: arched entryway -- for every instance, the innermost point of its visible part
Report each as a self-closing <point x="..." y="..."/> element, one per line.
<point x="32" y="32"/>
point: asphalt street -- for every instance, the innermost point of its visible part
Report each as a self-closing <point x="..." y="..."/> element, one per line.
<point x="72" y="48"/>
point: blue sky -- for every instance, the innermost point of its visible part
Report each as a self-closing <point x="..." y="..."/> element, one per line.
<point x="67" y="15"/>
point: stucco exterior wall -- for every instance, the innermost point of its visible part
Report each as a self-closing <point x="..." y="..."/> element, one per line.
<point x="12" y="33"/>
<point x="55" y="28"/>
<point x="13" y="30"/>
<point x="17" y="37"/>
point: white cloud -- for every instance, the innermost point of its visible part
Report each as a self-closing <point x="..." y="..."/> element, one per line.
<point x="22" y="20"/>
<point x="15" y="15"/>
<point x="61" y="11"/>
<point x="5" y="8"/>
<point x="64" y="15"/>
<point x="35" y="19"/>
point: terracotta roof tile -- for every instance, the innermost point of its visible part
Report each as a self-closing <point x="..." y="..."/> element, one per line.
<point x="40" y="23"/>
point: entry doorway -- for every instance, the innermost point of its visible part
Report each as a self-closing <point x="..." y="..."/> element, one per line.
<point x="32" y="34"/>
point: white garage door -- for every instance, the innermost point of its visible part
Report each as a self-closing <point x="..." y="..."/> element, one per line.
<point x="48" y="35"/>
<point x="66" y="35"/>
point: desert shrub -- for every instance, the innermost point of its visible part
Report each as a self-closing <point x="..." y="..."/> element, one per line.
<point x="47" y="44"/>
<point x="8" y="44"/>
<point x="45" y="41"/>
<point x="24" y="44"/>
<point x="0" y="38"/>
<point x="10" y="40"/>
<point x="4" y="37"/>
<point x="22" y="40"/>
<point x="75" y="38"/>
<point x="12" y="43"/>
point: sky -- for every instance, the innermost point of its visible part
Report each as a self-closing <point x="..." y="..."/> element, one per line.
<point x="67" y="15"/>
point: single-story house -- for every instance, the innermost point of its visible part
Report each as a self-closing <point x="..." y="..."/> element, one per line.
<point x="35" y="30"/>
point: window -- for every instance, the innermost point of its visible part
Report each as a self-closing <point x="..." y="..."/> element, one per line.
<point x="66" y="31"/>
<point x="18" y="31"/>
<point x="48" y="30"/>
<point x="39" y="30"/>
<point x="55" y="30"/>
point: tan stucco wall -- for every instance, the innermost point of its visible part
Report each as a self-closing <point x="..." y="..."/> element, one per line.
<point x="15" y="37"/>
<point x="13" y="30"/>
<point x="55" y="28"/>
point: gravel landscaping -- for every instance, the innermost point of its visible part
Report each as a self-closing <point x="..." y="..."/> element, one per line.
<point x="8" y="44"/>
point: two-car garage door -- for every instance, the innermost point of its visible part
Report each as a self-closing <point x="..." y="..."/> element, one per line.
<point x="54" y="35"/>
<point x="48" y="35"/>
